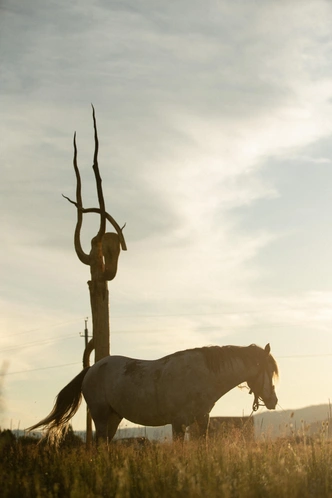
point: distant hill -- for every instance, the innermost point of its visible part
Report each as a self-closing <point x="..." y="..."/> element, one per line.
<point x="310" y="420"/>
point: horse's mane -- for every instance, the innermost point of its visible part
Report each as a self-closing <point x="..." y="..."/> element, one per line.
<point x="218" y="356"/>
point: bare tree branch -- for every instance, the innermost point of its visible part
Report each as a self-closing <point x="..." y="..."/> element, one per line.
<point x="108" y="217"/>
<point x="86" y="354"/>
<point x="83" y="257"/>
<point x="86" y="258"/>
<point x="95" y="167"/>
<point x="72" y="202"/>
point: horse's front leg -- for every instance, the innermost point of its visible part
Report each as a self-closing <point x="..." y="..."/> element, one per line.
<point x="203" y="425"/>
<point x="178" y="431"/>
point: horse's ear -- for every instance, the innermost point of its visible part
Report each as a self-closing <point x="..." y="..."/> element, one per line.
<point x="267" y="349"/>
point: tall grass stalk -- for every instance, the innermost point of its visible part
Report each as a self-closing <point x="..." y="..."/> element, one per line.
<point x="230" y="468"/>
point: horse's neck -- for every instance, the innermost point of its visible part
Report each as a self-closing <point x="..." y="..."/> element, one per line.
<point x="236" y="372"/>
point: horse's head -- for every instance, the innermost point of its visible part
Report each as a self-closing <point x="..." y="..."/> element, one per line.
<point x="262" y="383"/>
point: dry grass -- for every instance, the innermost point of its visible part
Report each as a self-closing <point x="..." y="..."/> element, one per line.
<point x="284" y="468"/>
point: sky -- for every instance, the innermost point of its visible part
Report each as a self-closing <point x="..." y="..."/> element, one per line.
<point x="215" y="129"/>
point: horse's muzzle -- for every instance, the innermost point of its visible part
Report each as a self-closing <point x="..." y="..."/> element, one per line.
<point x="271" y="403"/>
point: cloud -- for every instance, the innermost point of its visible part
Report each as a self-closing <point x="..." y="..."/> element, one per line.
<point x="214" y="126"/>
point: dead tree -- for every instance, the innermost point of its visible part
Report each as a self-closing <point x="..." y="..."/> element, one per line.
<point x="102" y="259"/>
<point x="103" y="262"/>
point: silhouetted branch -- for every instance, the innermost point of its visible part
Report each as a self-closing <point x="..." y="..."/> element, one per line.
<point x="83" y="257"/>
<point x="108" y="217"/>
<point x="87" y="352"/>
<point x="86" y="258"/>
<point x="95" y="168"/>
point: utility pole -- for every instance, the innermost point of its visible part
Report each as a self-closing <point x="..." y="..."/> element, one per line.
<point x="86" y="332"/>
<point x="88" y="433"/>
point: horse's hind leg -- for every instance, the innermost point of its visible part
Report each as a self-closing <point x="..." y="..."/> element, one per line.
<point x="100" y="415"/>
<point x="106" y="422"/>
<point x="113" y="423"/>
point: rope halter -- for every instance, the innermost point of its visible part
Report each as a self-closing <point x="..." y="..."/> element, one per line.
<point x="258" y="401"/>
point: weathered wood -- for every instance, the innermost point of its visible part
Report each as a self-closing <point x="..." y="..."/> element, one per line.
<point x="104" y="254"/>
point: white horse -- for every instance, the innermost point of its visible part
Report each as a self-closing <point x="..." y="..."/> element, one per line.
<point x="177" y="389"/>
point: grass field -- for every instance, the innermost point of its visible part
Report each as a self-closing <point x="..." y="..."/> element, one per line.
<point x="280" y="468"/>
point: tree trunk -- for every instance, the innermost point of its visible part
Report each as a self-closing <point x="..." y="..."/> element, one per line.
<point x="100" y="318"/>
<point x="98" y="288"/>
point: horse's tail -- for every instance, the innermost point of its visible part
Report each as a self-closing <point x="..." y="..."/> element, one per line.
<point x="66" y="405"/>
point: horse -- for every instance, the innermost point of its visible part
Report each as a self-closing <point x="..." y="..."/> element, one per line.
<point x="178" y="389"/>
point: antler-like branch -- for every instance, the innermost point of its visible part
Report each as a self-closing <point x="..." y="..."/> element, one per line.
<point x="83" y="257"/>
<point x="102" y="228"/>
<point x="108" y="217"/>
